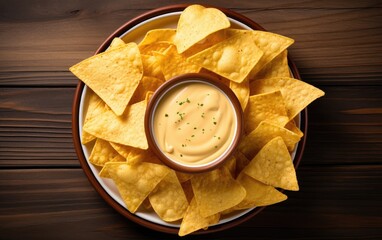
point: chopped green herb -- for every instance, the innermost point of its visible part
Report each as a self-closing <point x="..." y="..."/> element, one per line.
<point x="183" y="102"/>
<point x="192" y="135"/>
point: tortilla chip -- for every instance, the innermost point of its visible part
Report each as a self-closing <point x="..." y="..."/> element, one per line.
<point x="253" y="142"/>
<point x="127" y="129"/>
<point x="113" y="75"/>
<point x="168" y="199"/>
<point x="197" y="22"/>
<point x="232" y="58"/>
<point x="273" y="166"/>
<point x="94" y="107"/>
<point x="102" y="152"/>
<point x="147" y="84"/>
<point x="116" y="43"/>
<point x="136" y="182"/>
<point x="297" y="94"/>
<point x="278" y="67"/>
<point x="193" y="220"/>
<point x="151" y="67"/>
<point x="241" y="91"/>
<point x="158" y="35"/>
<point x="268" y="107"/>
<point x="258" y="194"/>
<point x="216" y="191"/>
<point x="174" y="64"/>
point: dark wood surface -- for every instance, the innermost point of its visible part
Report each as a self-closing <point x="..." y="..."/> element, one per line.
<point x="44" y="193"/>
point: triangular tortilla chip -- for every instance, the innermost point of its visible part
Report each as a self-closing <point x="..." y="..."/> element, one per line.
<point x="168" y="199"/>
<point x="273" y="166"/>
<point x="268" y="107"/>
<point x="113" y="75"/>
<point x="136" y="182"/>
<point x="296" y="93"/>
<point x="232" y="58"/>
<point x="127" y="129"/>
<point x="194" y="221"/>
<point x="258" y="194"/>
<point x="216" y="191"/>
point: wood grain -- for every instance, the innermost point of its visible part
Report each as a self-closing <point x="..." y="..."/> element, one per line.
<point x="44" y="193"/>
<point x="35" y="127"/>
<point x="330" y="37"/>
<point x="334" y="204"/>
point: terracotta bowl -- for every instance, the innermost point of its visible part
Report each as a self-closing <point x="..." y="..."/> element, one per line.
<point x="179" y="81"/>
<point x="133" y="31"/>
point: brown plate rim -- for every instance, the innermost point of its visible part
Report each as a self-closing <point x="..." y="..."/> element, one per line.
<point x="90" y="175"/>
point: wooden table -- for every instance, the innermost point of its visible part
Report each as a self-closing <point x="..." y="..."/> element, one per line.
<point x="44" y="193"/>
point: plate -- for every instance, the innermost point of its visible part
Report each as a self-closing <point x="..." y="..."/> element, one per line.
<point x="133" y="31"/>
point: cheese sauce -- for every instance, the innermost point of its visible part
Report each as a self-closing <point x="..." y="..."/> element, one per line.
<point x="194" y="123"/>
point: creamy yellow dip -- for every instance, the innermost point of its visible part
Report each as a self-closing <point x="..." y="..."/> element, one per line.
<point x="194" y="123"/>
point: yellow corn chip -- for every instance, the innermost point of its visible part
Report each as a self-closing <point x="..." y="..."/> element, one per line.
<point x="297" y="94"/>
<point x="193" y="220"/>
<point x="183" y="177"/>
<point x="241" y="162"/>
<point x="154" y="48"/>
<point x="216" y="191"/>
<point x="241" y="91"/>
<point x="168" y="199"/>
<point x="207" y="42"/>
<point x="230" y="164"/>
<point x="268" y="107"/>
<point x="291" y="126"/>
<point x="271" y="44"/>
<point x="158" y="35"/>
<point x="139" y="156"/>
<point x="116" y="43"/>
<point x="136" y="182"/>
<point x="151" y="67"/>
<point x="254" y="141"/>
<point x="105" y="172"/>
<point x="232" y="58"/>
<point x="258" y="194"/>
<point x="147" y="84"/>
<point x="113" y="75"/>
<point x="123" y="149"/>
<point x="94" y="103"/>
<point x="94" y="106"/>
<point x="187" y="188"/>
<point x="197" y="22"/>
<point x="102" y="152"/>
<point x="278" y="67"/>
<point x="273" y="166"/>
<point x="127" y="129"/>
<point x="174" y="64"/>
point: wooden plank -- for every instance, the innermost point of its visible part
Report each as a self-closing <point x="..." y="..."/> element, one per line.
<point x="345" y="127"/>
<point x="35" y="127"/>
<point x="334" y="202"/>
<point x="48" y="38"/>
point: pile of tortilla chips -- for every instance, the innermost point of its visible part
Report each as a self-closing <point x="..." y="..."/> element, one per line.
<point x="252" y="63"/>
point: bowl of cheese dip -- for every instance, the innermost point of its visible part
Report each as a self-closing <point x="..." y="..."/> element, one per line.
<point x="193" y="123"/>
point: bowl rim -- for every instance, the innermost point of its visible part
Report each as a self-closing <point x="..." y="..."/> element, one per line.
<point x="76" y="131"/>
<point x="186" y="79"/>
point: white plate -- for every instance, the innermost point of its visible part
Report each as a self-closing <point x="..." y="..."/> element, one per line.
<point x="136" y="34"/>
